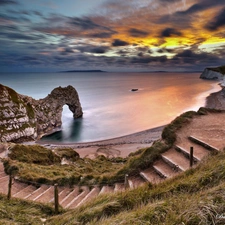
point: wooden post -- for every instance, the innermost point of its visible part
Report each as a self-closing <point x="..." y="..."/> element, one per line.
<point x="10" y="186"/>
<point x="126" y="181"/>
<point x="56" y="196"/>
<point x="191" y="156"/>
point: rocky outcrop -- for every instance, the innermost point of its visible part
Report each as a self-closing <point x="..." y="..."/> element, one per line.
<point x="211" y="74"/>
<point x="24" y="118"/>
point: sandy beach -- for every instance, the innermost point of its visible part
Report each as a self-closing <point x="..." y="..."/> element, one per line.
<point x="123" y="146"/>
<point x="115" y="147"/>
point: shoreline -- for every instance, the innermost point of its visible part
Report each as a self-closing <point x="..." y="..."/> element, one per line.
<point x="125" y="139"/>
<point x="124" y="145"/>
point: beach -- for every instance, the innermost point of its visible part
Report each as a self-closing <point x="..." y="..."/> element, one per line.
<point x="123" y="146"/>
<point x="115" y="147"/>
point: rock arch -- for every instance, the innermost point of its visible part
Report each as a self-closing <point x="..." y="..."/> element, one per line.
<point x="24" y="118"/>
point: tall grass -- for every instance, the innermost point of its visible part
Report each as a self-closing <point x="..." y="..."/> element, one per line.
<point x="194" y="197"/>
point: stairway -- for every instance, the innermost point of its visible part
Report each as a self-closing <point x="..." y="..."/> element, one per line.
<point x="171" y="163"/>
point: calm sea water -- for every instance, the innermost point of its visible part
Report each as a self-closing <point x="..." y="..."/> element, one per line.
<point x="110" y="108"/>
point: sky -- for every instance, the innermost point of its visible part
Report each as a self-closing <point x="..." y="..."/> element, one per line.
<point x="111" y="35"/>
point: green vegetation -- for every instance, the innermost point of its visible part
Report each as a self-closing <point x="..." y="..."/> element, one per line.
<point x="191" y="198"/>
<point x="67" y="153"/>
<point x="194" y="197"/>
<point x="39" y="164"/>
<point x="22" y="212"/>
<point x="33" y="154"/>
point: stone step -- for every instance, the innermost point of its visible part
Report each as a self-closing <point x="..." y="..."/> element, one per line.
<point x="151" y="176"/>
<point x="163" y="169"/>
<point x="1" y="167"/>
<point x="106" y="190"/>
<point x="199" y="152"/>
<point x="4" y="181"/>
<point x="92" y="194"/>
<point x="37" y="192"/>
<point x="17" y="187"/>
<point x="176" y="160"/>
<point x="25" y="192"/>
<point x="135" y="182"/>
<point x="73" y="204"/>
<point x="3" y="174"/>
<point x="119" y="187"/>
<point x="46" y="196"/>
<point x="203" y="143"/>
<point x="4" y="154"/>
<point x="63" y="192"/>
<point x="72" y="195"/>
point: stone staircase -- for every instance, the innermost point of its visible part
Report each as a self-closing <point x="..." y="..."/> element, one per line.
<point x="171" y="163"/>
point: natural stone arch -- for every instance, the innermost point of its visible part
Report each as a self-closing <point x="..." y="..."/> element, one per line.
<point x="24" y="118"/>
<point x="66" y="96"/>
<point x="51" y="108"/>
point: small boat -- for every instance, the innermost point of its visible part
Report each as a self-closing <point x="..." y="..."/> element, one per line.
<point x="134" y="89"/>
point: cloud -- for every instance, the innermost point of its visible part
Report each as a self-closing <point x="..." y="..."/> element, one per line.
<point x="118" y="42"/>
<point x="8" y="2"/>
<point x="217" y="22"/>
<point x="137" y="33"/>
<point x="84" y="23"/>
<point x="93" y="49"/>
<point x="169" y="32"/>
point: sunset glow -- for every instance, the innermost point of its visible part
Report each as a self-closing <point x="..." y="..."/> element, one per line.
<point x="111" y="35"/>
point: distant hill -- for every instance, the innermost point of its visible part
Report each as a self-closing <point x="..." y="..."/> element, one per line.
<point x="83" y="71"/>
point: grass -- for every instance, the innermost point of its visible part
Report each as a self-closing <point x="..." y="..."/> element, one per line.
<point x="22" y="212"/>
<point x="194" y="197"/>
<point x="33" y="154"/>
<point x="39" y="164"/>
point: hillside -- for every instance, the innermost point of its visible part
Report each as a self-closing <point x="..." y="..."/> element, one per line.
<point x="202" y="189"/>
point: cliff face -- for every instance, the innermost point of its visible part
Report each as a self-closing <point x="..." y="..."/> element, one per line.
<point x="24" y="118"/>
<point x="211" y="74"/>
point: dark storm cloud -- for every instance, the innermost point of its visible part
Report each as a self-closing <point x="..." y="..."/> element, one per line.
<point x="148" y="59"/>
<point x="78" y="27"/>
<point x="84" y="23"/>
<point x="169" y="32"/>
<point x="118" y="42"/>
<point x="28" y="58"/>
<point x="190" y="57"/>
<point x="102" y="34"/>
<point x="137" y="33"/>
<point x="7" y="2"/>
<point x="184" y="18"/>
<point x="20" y="36"/>
<point x="201" y="6"/>
<point x="218" y="21"/>
<point x="93" y="49"/>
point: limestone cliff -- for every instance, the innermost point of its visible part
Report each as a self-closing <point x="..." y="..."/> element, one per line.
<point x="24" y="118"/>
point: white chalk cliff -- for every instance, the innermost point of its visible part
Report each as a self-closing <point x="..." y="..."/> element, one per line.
<point x="23" y="118"/>
<point x="211" y="74"/>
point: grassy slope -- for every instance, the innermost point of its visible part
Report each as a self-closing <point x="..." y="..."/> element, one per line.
<point x="22" y="212"/>
<point x="194" y="197"/>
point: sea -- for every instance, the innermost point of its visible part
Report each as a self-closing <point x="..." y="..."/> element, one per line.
<point x="111" y="109"/>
